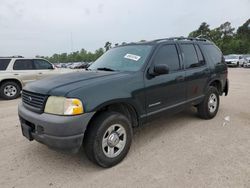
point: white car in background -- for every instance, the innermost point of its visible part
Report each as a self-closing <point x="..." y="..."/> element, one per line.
<point x="234" y="60"/>
<point x="247" y="58"/>
<point x="16" y="72"/>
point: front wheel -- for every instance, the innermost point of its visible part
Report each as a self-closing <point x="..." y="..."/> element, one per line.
<point x="10" y="90"/>
<point x="208" y="108"/>
<point x="108" y="139"/>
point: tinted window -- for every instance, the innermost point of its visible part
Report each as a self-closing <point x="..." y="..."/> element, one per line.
<point x="23" y="64"/>
<point x="190" y="56"/>
<point x="199" y="54"/>
<point x="41" y="64"/>
<point x="214" y="53"/>
<point x="4" y="64"/>
<point x="168" y="55"/>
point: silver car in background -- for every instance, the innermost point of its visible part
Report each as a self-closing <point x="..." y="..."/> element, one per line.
<point x="234" y="60"/>
<point x="247" y="63"/>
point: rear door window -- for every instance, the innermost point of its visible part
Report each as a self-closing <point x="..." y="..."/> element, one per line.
<point x="4" y="64"/>
<point x="23" y="64"/>
<point x="190" y="56"/>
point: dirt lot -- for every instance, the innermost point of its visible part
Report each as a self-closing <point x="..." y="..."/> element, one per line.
<point x="180" y="151"/>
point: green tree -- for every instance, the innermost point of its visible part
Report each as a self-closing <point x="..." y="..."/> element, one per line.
<point x="202" y="31"/>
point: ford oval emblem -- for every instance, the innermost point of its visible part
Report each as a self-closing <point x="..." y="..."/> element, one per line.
<point x="30" y="99"/>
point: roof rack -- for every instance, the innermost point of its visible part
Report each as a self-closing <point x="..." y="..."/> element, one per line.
<point x="15" y="56"/>
<point x="182" y="38"/>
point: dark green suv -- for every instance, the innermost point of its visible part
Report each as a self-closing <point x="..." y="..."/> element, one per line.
<point x="126" y="87"/>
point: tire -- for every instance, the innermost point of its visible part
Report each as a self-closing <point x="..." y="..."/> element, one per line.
<point x="101" y="137"/>
<point x="208" y="108"/>
<point x="10" y="90"/>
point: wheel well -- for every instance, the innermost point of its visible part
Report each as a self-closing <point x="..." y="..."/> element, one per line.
<point x="123" y="108"/>
<point x="12" y="80"/>
<point x="217" y="84"/>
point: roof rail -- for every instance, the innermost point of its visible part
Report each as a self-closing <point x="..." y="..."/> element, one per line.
<point x="182" y="38"/>
<point x="15" y="56"/>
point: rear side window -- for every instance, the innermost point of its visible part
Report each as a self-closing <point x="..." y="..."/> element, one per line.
<point x="23" y="64"/>
<point x="41" y="64"/>
<point x="190" y="56"/>
<point x="4" y="64"/>
<point x="168" y="55"/>
<point x="214" y="53"/>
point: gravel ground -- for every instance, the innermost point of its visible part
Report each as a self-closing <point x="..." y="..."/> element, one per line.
<point x="178" y="151"/>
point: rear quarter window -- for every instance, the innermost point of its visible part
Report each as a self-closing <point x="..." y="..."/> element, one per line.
<point x="214" y="53"/>
<point x="4" y="64"/>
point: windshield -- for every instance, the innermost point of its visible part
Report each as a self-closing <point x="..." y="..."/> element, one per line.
<point x="231" y="57"/>
<point x="124" y="58"/>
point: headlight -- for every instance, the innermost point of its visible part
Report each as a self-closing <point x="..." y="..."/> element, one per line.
<point x="63" y="106"/>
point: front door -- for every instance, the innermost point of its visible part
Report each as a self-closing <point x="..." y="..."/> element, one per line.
<point x="165" y="91"/>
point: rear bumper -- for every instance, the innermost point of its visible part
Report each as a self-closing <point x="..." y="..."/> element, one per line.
<point x="226" y="88"/>
<point x="57" y="132"/>
<point x="230" y="64"/>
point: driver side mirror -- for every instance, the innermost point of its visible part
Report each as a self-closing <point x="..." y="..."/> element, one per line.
<point x="159" y="70"/>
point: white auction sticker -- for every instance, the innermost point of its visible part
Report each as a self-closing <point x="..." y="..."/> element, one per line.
<point x="132" y="57"/>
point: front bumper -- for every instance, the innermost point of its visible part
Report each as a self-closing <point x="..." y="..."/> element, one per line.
<point x="57" y="132"/>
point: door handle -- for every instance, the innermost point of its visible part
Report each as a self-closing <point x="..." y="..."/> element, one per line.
<point x="16" y="74"/>
<point x="179" y="78"/>
<point x="40" y="73"/>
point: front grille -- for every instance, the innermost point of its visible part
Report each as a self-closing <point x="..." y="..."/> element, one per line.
<point x="34" y="101"/>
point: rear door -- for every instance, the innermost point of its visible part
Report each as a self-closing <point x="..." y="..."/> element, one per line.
<point x="197" y="70"/>
<point x="168" y="90"/>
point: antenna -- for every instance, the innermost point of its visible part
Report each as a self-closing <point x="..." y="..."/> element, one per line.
<point x="71" y="41"/>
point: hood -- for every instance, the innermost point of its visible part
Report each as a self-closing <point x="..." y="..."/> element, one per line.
<point x="60" y="85"/>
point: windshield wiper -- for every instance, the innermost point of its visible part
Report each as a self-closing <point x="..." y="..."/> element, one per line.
<point x="105" y="69"/>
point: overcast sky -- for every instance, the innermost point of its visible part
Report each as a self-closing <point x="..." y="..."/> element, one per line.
<point x="45" y="27"/>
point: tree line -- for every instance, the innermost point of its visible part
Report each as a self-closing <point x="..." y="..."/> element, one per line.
<point x="227" y="38"/>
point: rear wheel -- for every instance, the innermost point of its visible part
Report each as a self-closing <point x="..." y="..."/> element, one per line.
<point x="208" y="108"/>
<point x="108" y="139"/>
<point x="10" y="90"/>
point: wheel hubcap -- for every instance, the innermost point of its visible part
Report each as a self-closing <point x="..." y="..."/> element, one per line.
<point x="212" y="103"/>
<point x="114" y="140"/>
<point x="10" y="90"/>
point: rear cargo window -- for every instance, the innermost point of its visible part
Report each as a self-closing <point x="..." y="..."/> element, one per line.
<point x="214" y="53"/>
<point x="4" y="64"/>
